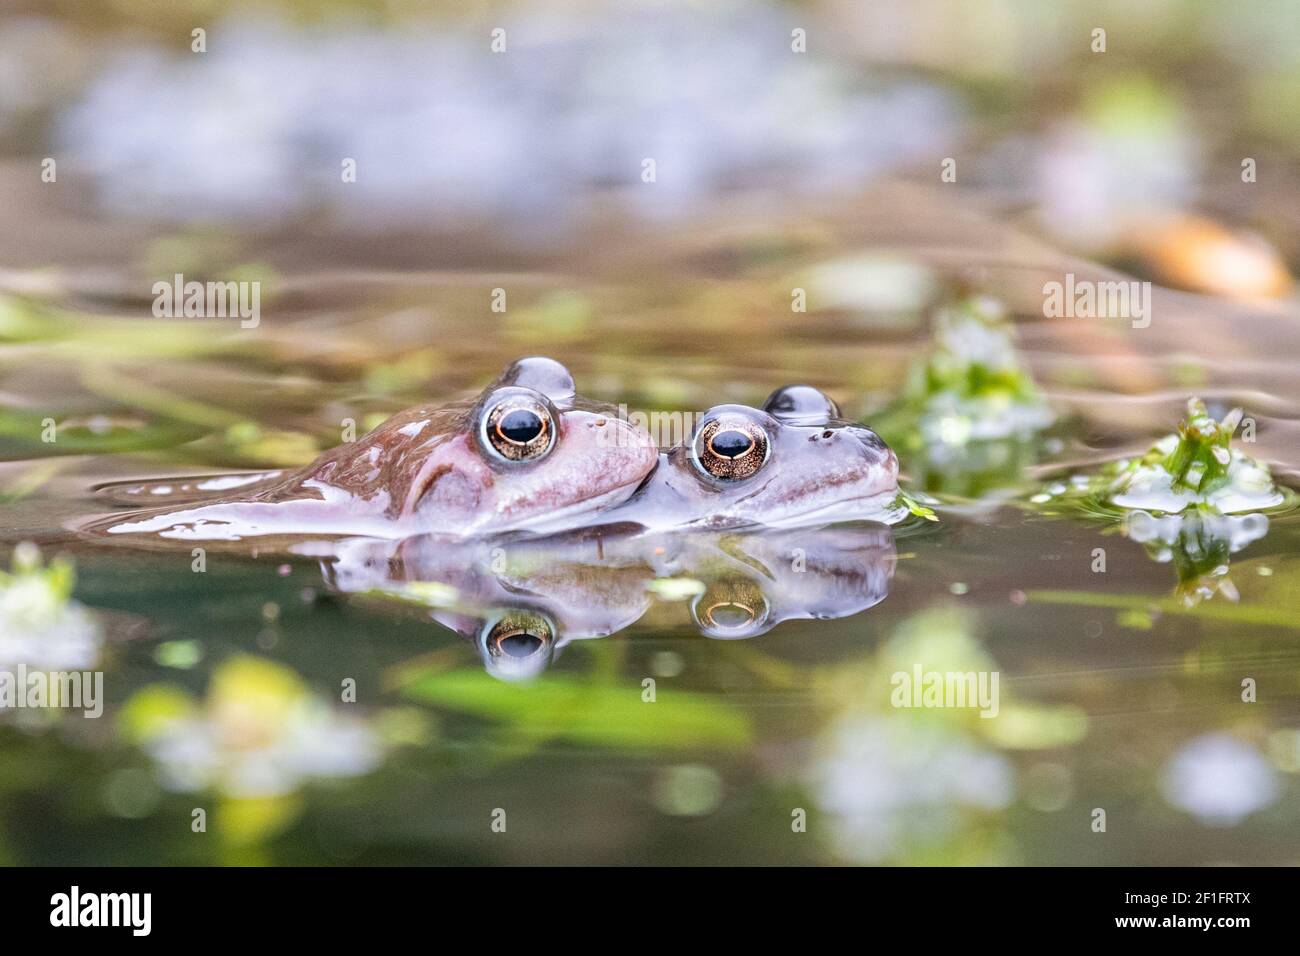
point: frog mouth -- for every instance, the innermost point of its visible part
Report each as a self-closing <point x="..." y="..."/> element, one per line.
<point x="875" y="507"/>
<point x="561" y="517"/>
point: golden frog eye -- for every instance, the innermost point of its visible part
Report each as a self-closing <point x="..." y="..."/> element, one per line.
<point x="730" y="447"/>
<point x="519" y="428"/>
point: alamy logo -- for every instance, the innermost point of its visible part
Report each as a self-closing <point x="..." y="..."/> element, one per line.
<point x="954" y="689"/>
<point x="179" y="299"/>
<point x="37" y="689"/>
<point x="1085" y="299"/>
<point x="134" y="910"/>
<point x="667" y="429"/>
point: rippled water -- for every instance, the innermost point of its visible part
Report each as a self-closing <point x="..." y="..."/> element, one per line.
<point x="765" y="741"/>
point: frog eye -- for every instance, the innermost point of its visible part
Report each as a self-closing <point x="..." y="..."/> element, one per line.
<point x="519" y="428"/>
<point x="730" y="447"/>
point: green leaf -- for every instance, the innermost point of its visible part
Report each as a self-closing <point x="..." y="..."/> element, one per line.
<point x="916" y="508"/>
<point x="598" y="716"/>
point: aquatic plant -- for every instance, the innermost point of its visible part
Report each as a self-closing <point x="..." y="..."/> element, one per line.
<point x="971" y="386"/>
<point x="259" y="735"/>
<point x="1195" y="467"/>
<point x="969" y="417"/>
<point x="40" y="625"/>
<point x="903" y="777"/>
<point x="898" y="788"/>
<point x="585" y="713"/>
<point x="915" y="506"/>
<point x="1192" y="499"/>
<point x="260" y="732"/>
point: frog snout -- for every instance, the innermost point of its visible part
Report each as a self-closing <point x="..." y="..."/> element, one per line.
<point x="855" y="437"/>
<point x="869" y="439"/>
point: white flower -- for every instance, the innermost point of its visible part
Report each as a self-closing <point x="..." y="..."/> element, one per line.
<point x="1219" y="779"/>
<point x="892" y="781"/>
<point x="39" y="625"/>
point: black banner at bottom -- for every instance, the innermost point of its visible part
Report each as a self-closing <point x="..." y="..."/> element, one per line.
<point x="335" y="905"/>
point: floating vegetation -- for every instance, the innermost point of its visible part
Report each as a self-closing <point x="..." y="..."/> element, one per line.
<point x="252" y="444"/>
<point x="904" y="772"/>
<point x="879" y="290"/>
<point x="915" y="506"/>
<point x="906" y="789"/>
<point x="260" y="732"/>
<point x="1192" y="500"/>
<point x="25" y="434"/>
<point x="972" y="387"/>
<point x="1197" y="467"/>
<point x="561" y="316"/>
<point x="970" y="413"/>
<point x="1191" y="780"/>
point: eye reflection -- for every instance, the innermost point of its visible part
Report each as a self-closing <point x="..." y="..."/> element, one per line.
<point x="557" y="589"/>
<point x="730" y="608"/>
<point x="518" y="644"/>
<point x="729" y="615"/>
<point x="519" y="634"/>
<point x="730" y="447"/>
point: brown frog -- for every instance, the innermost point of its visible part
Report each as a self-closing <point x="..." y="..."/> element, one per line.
<point x="528" y="453"/>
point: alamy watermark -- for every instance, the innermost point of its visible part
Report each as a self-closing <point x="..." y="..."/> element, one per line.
<point x="946" y="689"/>
<point x="133" y="911"/>
<point x="667" y="429"/>
<point x="1086" y="299"/>
<point x="30" y="689"/>
<point x="179" y="299"/>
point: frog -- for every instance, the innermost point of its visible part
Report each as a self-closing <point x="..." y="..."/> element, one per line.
<point x="527" y="453"/>
<point x="794" y="461"/>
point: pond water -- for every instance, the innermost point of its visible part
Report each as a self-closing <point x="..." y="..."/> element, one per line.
<point x="678" y="700"/>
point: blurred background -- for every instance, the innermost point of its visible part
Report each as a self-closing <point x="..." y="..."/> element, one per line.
<point x="652" y="184"/>
<point x="527" y="126"/>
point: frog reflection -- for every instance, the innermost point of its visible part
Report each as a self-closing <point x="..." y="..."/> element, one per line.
<point x="521" y="601"/>
<point x="755" y="581"/>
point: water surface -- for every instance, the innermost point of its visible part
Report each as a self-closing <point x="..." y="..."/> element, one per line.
<point x="229" y="689"/>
